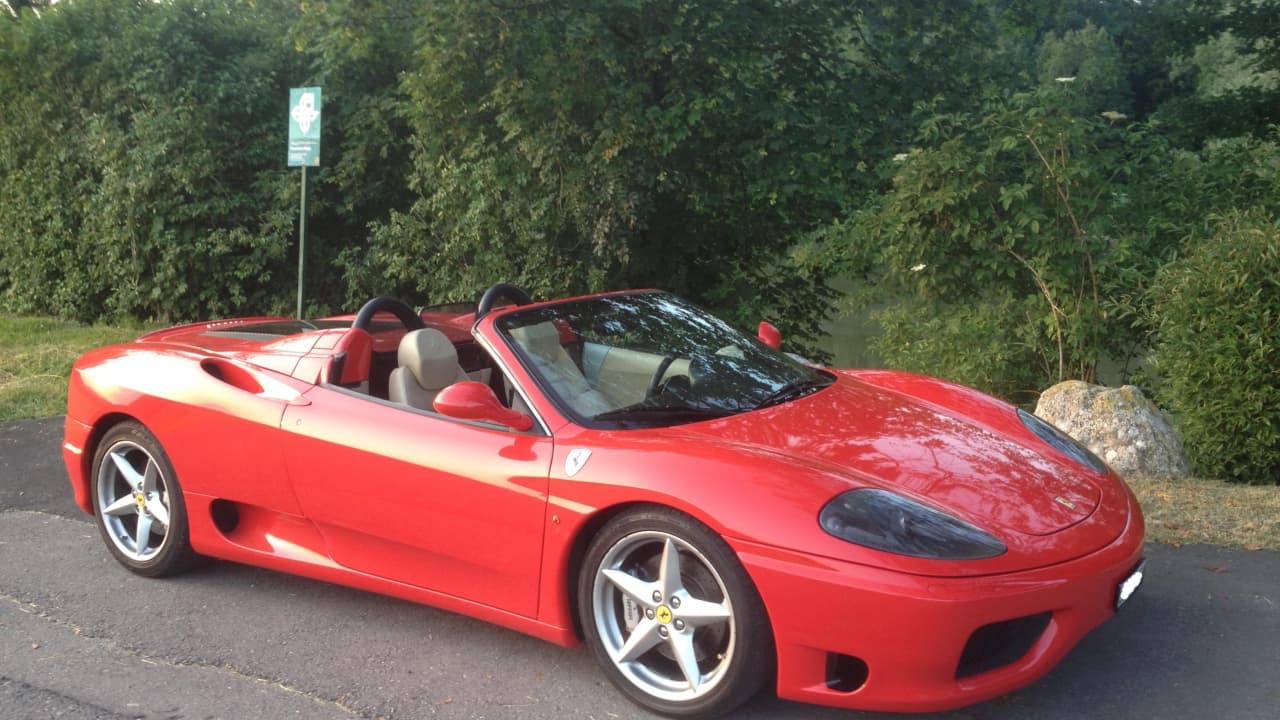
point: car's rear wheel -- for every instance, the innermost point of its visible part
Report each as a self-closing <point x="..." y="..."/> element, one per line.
<point x="672" y="616"/>
<point x="139" y="504"/>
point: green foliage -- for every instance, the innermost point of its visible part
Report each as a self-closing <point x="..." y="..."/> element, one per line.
<point x="1218" y="313"/>
<point x="578" y="145"/>
<point x="1084" y="65"/>
<point x="135" y="143"/>
<point x="1223" y="65"/>
<point x="357" y="52"/>
<point x="1225" y="60"/>
<point x="1015" y="246"/>
<point x="971" y="343"/>
<point x="984" y="248"/>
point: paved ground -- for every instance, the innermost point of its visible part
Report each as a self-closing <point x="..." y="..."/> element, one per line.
<point x="81" y="638"/>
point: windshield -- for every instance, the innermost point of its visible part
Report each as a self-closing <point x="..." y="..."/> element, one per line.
<point x="648" y="360"/>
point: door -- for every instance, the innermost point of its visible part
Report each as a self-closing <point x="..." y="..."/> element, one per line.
<point x="445" y="505"/>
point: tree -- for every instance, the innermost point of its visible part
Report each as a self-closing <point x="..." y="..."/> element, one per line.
<point x="358" y="53"/>
<point x="1084" y="66"/>
<point x="993" y="259"/>
<point x="1226" y="59"/>
<point x="571" y="145"/>
<point x="14" y="8"/>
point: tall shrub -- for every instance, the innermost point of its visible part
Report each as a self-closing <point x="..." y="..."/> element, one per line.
<point x="582" y="145"/>
<point x="984" y="262"/>
<point x="1218" y="316"/>
<point x="141" y="159"/>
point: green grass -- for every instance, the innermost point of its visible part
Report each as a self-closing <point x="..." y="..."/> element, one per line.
<point x="35" y="358"/>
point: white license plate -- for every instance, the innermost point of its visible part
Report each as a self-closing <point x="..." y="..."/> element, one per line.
<point x="1129" y="585"/>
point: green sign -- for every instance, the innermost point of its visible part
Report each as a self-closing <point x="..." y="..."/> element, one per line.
<point x="304" y="127"/>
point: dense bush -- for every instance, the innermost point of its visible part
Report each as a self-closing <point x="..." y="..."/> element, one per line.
<point x="141" y="160"/>
<point x="987" y="259"/>
<point x="1085" y="65"/>
<point x="583" y="145"/>
<point x="1217" y="356"/>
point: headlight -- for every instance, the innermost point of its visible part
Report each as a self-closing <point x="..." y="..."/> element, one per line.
<point x="885" y="521"/>
<point x="1063" y="442"/>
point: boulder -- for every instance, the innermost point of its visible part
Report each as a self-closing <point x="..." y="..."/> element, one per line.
<point x="1120" y="425"/>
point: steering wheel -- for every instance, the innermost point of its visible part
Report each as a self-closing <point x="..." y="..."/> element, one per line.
<point x="501" y="290"/>
<point x="385" y="303"/>
<point x="655" y="384"/>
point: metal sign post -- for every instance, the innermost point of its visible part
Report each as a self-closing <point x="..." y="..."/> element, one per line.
<point x="304" y="152"/>
<point x="302" y="237"/>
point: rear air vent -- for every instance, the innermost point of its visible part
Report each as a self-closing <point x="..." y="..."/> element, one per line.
<point x="231" y="374"/>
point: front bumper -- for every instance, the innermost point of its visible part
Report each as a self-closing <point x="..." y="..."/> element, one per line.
<point x="75" y="439"/>
<point x="853" y="636"/>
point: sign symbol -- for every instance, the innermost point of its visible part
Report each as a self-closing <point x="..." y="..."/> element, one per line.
<point x="305" y="113"/>
<point x="305" y="106"/>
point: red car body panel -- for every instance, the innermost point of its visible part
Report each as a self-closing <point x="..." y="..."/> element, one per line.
<point x="407" y="501"/>
<point x="282" y="469"/>
<point x="911" y="630"/>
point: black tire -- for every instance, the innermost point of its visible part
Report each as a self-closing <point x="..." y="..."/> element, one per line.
<point x="138" y="504"/>
<point x="662" y="623"/>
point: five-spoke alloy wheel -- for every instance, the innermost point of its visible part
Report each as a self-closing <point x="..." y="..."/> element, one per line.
<point x="138" y="503"/>
<point x="672" y="616"/>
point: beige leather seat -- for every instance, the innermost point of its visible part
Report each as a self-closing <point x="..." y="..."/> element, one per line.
<point x="557" y="368"/>
<point x="428" y="363"/>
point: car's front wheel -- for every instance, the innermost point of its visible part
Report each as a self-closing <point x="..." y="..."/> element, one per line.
<point x="138" y="503"/>
<point x="672" y="616"/>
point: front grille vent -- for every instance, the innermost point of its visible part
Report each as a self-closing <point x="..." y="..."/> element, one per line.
<point x="998" y="644"/>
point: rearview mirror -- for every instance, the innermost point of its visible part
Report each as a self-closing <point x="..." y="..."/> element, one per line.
<point x="471" y="400"/>
<point x="769" y="335"/>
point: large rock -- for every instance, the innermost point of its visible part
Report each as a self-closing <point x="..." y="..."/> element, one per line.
<point x="1120" y="425"/>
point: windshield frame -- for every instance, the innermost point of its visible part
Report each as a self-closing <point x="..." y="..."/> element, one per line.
<point x="571" y="396"/>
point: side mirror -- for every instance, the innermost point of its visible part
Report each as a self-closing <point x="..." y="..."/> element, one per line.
<point x="769" y="335"/>
<point x="471" y="400"/>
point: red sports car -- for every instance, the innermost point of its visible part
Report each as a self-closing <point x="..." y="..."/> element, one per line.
<point x="707" y="513"/>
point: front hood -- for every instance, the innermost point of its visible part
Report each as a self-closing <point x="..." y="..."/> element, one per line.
<point x="982" y="467"/>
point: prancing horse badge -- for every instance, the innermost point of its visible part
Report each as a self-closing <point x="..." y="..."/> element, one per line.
<point x="577" y="458"/>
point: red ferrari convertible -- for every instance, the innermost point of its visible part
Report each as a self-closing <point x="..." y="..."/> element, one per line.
<point x="708" y="514"/>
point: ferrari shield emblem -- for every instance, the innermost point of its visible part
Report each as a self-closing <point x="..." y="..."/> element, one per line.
<point x="577" y="458"/>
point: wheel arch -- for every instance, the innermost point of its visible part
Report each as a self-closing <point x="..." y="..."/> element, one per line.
<point x="765" y="654"/>
<point x="592" y="525"/>
<point x="583" y="535"/>
<point x="99" y="429"/>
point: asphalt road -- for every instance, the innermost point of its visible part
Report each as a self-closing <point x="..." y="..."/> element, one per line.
<point x="82" y="638"/>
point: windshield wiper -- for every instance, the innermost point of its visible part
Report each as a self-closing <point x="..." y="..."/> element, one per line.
<point x="791" y="391"/>
<point x="649" y="414"/>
